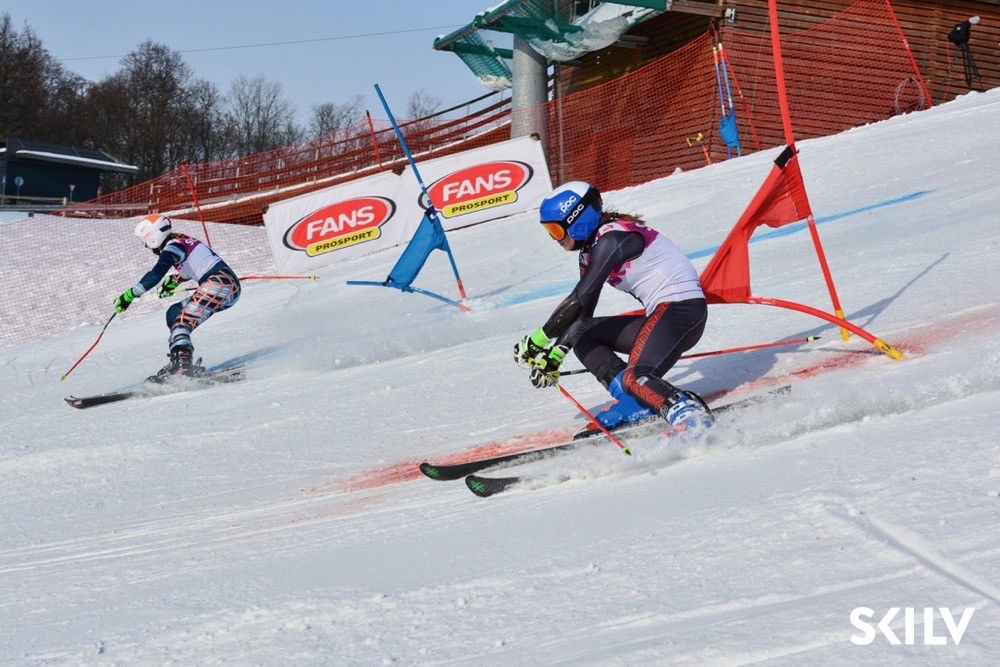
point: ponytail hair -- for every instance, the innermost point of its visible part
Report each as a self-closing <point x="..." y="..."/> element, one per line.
<point x="612" y="216"/>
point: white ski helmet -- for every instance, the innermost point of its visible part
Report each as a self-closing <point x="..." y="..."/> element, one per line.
<point x="153" y="230"/>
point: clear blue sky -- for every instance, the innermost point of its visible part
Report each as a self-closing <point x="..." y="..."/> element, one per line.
<point x="80" y="32"/>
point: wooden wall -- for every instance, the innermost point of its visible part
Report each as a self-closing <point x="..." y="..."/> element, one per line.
<point x="925" y="24"/>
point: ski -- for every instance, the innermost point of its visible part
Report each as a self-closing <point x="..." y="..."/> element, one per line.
<point x="460" y="470"/>
<point x="448" y="472"/>
<point x="149" y="389"/>
<point x="484" y="487"/>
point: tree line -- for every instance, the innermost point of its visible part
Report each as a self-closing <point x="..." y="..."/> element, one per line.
<point x="153" y="112"/>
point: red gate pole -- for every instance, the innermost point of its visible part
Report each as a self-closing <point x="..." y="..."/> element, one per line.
<point x="194" y="196"/>
<point x="786" y="118"/>
<point x="882" y="346"/>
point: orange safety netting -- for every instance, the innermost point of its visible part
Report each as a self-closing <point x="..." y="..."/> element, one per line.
<point x="236" y="190"/>
<point x="852" y="69"/>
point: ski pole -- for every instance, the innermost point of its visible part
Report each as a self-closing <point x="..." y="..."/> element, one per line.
<point x="103" y="329"/>
<point x="241" y="278"/>
<point x="793" y="341"/>
<point x="590" y="417"/>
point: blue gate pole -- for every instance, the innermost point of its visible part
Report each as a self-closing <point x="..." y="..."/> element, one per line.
<point x="431" y="210"/>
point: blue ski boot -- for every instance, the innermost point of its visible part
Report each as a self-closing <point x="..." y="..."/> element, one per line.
<point x="625" y="409"/>
<point x="685" y="411"/>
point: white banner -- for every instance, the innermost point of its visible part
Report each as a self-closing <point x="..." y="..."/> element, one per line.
<point x="381" y="211"/>
<point x="341" y="222"/>
<point x="485" y="183"/>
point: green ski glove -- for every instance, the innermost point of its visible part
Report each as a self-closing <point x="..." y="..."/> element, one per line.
<point x="546" y="370"/>
<point x="124" y="301"/>
<point x="528" y="348"/>
<point x="169" y="286"/>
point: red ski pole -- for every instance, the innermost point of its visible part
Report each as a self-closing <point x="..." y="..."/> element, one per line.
<point x="590" y="417"/>
<point x="103" y="329"/>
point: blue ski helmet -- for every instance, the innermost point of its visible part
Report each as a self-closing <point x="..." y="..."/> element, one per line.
<point x="574" y="208"/>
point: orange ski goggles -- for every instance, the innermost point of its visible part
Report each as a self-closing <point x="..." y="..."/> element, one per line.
<point x="555" y="230"/>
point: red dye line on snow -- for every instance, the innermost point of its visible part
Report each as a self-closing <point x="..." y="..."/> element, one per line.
<point x="405" y="471"/>
<point x="921" y="338"/>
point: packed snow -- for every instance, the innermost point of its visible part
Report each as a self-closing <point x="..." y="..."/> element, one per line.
<point x="283" y="520"/>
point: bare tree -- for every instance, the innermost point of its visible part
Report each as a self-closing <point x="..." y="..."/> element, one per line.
<point x="147" y="96"/>
<point x="421" y="104"/>
<point x="150" y="113"/>
<point x="202" y="123"/>
<point x="104" y="112"/>
<point x="418" y="130"/>
<point x="21" y="70"/>
<point x="330" y="117"/>
<point x="61" y="120"/>
<point x="257" y="118"/>
<point x="154" y="114"/>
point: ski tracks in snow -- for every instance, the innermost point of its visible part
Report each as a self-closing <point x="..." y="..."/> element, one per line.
<point x="921" y="550"/>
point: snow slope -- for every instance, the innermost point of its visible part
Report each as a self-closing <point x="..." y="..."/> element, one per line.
<point x="282" y="520"/>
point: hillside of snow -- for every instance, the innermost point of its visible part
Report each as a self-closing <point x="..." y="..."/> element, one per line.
<point x="282" y="519"/>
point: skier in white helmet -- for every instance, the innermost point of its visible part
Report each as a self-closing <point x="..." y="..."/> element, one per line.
<point x="218" y="288"/>
<point x="621" y="250"/>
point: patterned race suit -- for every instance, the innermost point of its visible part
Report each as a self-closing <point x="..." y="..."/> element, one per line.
<point x="218" y="287"/>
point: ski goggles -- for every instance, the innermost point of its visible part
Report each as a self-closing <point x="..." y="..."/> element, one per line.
<point x="555" y="230"/>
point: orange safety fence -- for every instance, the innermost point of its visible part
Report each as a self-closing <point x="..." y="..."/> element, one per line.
<point x="850" y="70"/>
<point x="236" y="190"/>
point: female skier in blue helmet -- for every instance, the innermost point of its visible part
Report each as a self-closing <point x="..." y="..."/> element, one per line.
<point x="621" y="250"/>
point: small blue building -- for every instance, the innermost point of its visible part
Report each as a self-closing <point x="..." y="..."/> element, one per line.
<point x="41" y="169"/>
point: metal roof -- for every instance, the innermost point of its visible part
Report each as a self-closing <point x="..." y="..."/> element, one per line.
<point x="42" y="151"/>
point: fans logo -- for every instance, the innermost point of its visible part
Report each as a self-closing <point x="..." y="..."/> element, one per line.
<point x="478" y="188"/>
<point x="340" y="225"/>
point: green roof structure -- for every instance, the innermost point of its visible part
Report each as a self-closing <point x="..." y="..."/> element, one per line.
<point x="557" y="38"/>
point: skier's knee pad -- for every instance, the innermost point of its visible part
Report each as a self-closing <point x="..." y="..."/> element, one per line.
<point x="173" y="312"/>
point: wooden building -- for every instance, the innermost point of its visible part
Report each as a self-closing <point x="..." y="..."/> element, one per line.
<point x="926" y="25"/>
